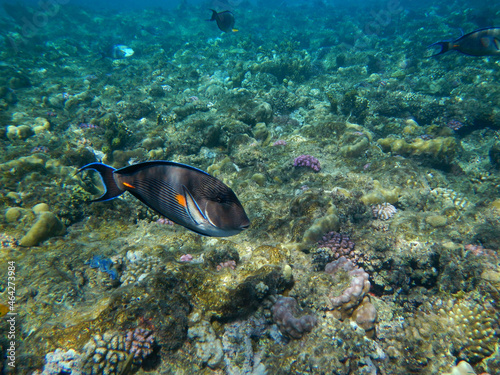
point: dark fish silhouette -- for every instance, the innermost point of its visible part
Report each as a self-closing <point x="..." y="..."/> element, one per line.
<point x="186" y="195"/>
<point x="482" y="42"/>
<point x="117" y="51"/>
<point x="225" y="20"/>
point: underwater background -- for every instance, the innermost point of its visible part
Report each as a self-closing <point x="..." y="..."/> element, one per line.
<point x="369" y="170"/>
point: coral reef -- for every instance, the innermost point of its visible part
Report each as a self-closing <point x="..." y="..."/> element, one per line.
<point x="332" y="246"/>
<point x="359" y="285"/>
<point x="112" y="352"/>
<point x="392" y="126"/>
<point x="307" y="161"/>
<point x="240" y="357"/>
<point x="137" y="267"/>
<point x="139" y="342"/>
<point x="208" y="346"/>
<point x="103" y="264"/>
<point x="383" y="211"/>
<point x="339" y="244"/>
<point x="60" y="361"/>
<point x="46" y="225"/>
<point x="290" y="320"/>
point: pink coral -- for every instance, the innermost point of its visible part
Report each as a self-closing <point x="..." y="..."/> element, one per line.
<point x="227" y="264"/>
<point x="307" y="161"/>
<point x="139" y="342"/>
<point x="186" y="258"/>
<point x="279" y="142"/>
<point x="383" y="211"/>
<point x="354" y="294"/>
<point x="339" y="244"/>
<point x="165" y="221"/>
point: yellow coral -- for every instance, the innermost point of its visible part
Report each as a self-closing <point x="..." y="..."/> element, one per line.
<point x="473" y="325"/>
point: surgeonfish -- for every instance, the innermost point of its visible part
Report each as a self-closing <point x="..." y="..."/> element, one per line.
<point x="225" y="20"/>
<point x="186" y="195"/>
<point x="482" y="42"/>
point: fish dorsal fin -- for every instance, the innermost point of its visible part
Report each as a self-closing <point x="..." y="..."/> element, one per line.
<point x="130" y="169"/>
<point x="214" y="15"/>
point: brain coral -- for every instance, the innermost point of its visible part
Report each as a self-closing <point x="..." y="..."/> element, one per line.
<point x="359" y="285"/>
<point x="290" y="320"/>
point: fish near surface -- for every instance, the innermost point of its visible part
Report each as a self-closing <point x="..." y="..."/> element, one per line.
<point x="225" y="20"/>
<point x="186" y="195"/>
<point x="482" y="42"/>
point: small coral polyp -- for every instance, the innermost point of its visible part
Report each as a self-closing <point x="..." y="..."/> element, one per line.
<point x="383" y="211"/>
<point x="307" y="161"/>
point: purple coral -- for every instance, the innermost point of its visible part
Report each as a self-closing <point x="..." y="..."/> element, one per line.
<point x="231" y="264"/>
<point x="339" y="244"/>
<point x="163" y="220"/>
<point x="186" y="258"/>
<point x="307" y="161"/>
<point x="285" y="312"/>
<point x="279" y="142"/>
<point x="139" y="342"/>
<point x="454" y="125"/>
<point x="358" y="288"/>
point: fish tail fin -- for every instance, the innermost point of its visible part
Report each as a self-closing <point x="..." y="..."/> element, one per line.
<point x="445" y="47"/>
<point x="111" y="189"/>
<point x="214" y="15"/>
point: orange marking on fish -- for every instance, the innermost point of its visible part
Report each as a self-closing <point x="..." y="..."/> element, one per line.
<point x="128" y="185"/>
<point x="181" y="200"/>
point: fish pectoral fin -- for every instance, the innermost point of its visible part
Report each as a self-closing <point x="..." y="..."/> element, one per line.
<point x="496" y="42"/>
<point x="193" y="209"/>
<point x="209" y="220"/>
